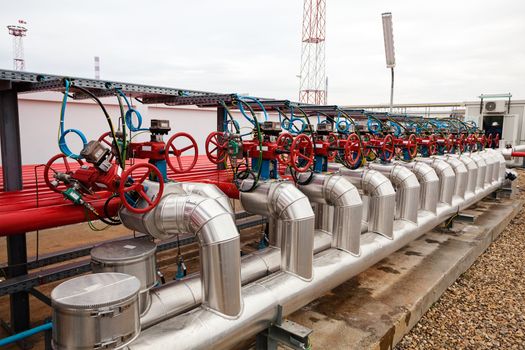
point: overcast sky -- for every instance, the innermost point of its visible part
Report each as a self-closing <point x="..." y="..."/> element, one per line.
<point x="446" y="50"/>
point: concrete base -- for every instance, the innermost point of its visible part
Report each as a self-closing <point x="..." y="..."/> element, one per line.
<point x="377" y="308"/>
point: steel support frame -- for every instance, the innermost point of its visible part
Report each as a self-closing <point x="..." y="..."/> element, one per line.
<point x="12" y="172"/>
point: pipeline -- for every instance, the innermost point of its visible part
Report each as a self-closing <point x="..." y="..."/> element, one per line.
<point x="261" y="298"/>
<point x="218" y="240"/>
<point x="334" y="190"/>
<point x="407" y="189"/>
<point x="381" y="201"/>
<point x="446" y="176"/>
<point x="428" y="182"/>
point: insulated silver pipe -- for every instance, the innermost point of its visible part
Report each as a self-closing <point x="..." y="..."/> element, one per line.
<point x="337" y="192"/>
<point x="491" y="166"/>
<point x="381" y="198"/>
<point x="202" y="329"/>
<point x="218" y="239"/>
<point x="482" y="170"/>
<point x="208" y="191"/>
<point x="472" y="169"/>
<point x="428" y="182"/>
<point x="507" y="152"/>
<point x="502" y="163"/>
<point x="291" y="222"/>
<point x="490" y="157"/>
<point x="447" y="178"/>
<point x="406" y="187"/>
<point x="461" y="174"/>
<point x="174" y="298"/>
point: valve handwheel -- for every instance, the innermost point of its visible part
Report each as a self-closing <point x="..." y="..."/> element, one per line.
<point x="301" y="153"/>
<point x="49" y="167"/>
<point x="387" y="148"/>
<point x="216" y="147"/>
<point x="353" y="151"/>
<point x="128" y="184"/>
<point x="412" y="146"/>
<point x="178" y="167"/>
<point x="284" y="143"/>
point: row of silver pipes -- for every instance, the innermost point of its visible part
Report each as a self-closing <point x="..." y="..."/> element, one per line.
<point x="320" y="235"/>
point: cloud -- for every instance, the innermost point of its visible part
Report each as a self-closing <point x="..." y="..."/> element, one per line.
<point x="446" y="50"/>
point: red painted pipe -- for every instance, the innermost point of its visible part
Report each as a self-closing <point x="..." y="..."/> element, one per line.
<point x="517" y="154"/>
<point x="21" y="221"/>
<point x="228" y="188"/>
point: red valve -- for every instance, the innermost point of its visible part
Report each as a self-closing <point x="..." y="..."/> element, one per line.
<point x="496" y="140"/>
<point x="138" y="187"/>
<point x="333" y="142"/>
<point x="432" y="144"/>
<point x="387" y="148"/>
<point x="365" y="140"/>
<point x="178" y="167"/>
<point x="352" y="150"/>
<point x="489" y="141"/>
<point x="301" y="153"/>
<point x="449" y="143"/>
<point x="412" y="146"/>
<point x="461" y="143"/>
<point x="49" y="167"/>
<point x="215" y="143"/>
<point x="483" y="141"/>
<point x="284" y="143"/>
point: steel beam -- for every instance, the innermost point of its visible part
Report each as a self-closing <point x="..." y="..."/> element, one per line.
<point x="12" y="172"/>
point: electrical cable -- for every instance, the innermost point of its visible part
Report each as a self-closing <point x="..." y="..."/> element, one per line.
<point x="62" y="145"/>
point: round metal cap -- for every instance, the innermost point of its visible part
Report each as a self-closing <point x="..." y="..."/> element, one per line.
<point x="94" y="291"/>
<point x="123" y="251"/>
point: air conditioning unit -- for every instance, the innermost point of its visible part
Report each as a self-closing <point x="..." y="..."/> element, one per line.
<point x="494" y="106"/>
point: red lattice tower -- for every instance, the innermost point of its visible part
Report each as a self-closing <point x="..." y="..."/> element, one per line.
<point x="312" y="88"/>
<point x="18" y="31"/>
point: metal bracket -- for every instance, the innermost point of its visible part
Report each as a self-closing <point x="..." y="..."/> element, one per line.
<point x="284" y="332"/>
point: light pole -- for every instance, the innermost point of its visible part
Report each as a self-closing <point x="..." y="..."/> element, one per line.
<point x="388" y="35"/>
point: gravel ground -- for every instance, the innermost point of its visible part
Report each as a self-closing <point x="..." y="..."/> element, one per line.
<point x="485" y="307"/>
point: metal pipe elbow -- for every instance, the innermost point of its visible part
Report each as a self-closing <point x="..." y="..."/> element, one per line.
<point x="381" y="201"/>
<point x="447" y="178"/>
<point x="429" y="185"/>
<point x="219" y="243"/>
<point x="482" y="169"/>
<point x="292" y="220"/>
<point x="491" y="167"/>
<point x="209" y="191"/>
<point x="407" y="189"/>
<point x="334" y="190"/>
<point x="472" y="169"/>
<point x="461" y="175"/>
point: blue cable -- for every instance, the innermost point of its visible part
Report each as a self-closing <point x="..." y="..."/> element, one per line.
<point x="128" y="117"/>
<point x="62" y="145"/>
<point x="22" y="335"/>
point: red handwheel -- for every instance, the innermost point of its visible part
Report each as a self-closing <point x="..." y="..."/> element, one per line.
<point x="353" y="152"/>
<point x="284" y="143"/>
<point x="387" y="148"/>
<point x="189" y="144"/>
<point x="51" y="167"/>
<point x="412" y="146"/>
<point x="129" y="184"/>
<point x="461" y="143"/>
<point x="301" y="153"/>
<point x="216" y="147"/>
